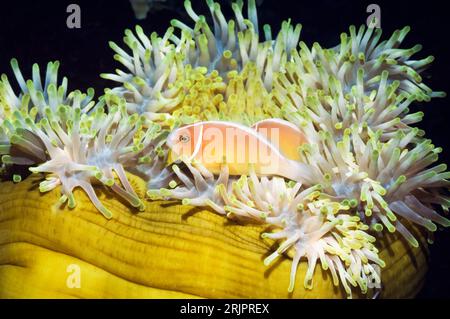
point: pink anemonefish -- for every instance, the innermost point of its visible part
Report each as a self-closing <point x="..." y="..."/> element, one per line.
<point x="270" y="146"/>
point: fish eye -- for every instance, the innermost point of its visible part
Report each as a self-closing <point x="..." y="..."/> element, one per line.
<point x="184" y="138"/>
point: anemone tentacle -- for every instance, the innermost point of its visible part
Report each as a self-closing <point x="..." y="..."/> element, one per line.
<point x="229" y="46"/>
<point x="380" y="179"/>
<point x="313" y="87"/>
<point x="311" y="224"/>
<point x="77" y="150"/>
<point x="153" y="81"/>
<point x="37" y="94"/>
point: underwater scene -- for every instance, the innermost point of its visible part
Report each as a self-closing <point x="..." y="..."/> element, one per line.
<point x="247" y="149"/>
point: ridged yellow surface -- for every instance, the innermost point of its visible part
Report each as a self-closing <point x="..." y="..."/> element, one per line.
<point x="167" y="251"/>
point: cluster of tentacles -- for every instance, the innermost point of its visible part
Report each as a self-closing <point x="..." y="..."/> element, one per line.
<point x="372" y="171"/>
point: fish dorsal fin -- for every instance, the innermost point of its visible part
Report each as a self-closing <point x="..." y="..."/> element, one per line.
<point x="287" y="138"/>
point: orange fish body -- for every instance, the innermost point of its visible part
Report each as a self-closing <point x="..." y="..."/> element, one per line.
<point x="283" y="135"/>
<point x="213" y="143"/>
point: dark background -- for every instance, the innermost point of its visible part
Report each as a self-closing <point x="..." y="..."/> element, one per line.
<point x="36" y="31"/>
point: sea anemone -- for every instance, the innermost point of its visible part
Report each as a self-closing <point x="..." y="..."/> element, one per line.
<point x="162" y="70"/>
<point x="378" y="177"/>
<point x="371" y="172"/>
<point x="72" y="146"/>
<point x="352" y="102"/>
<point x="37" y="94"/>
<point x="359" y="81"/>
<point x="231" y="45"/>
<point x="153" y="85"/>
<point x="311" y="224"/>
<point x="242" y="99"/>
<point x="199" y="189"/>
<point x="37" y="98"/>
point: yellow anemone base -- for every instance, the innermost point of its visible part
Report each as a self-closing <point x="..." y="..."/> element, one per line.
<point x="167" y="251"/>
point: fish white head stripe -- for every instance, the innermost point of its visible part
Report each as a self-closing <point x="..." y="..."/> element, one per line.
<point x="198" y="144"/>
